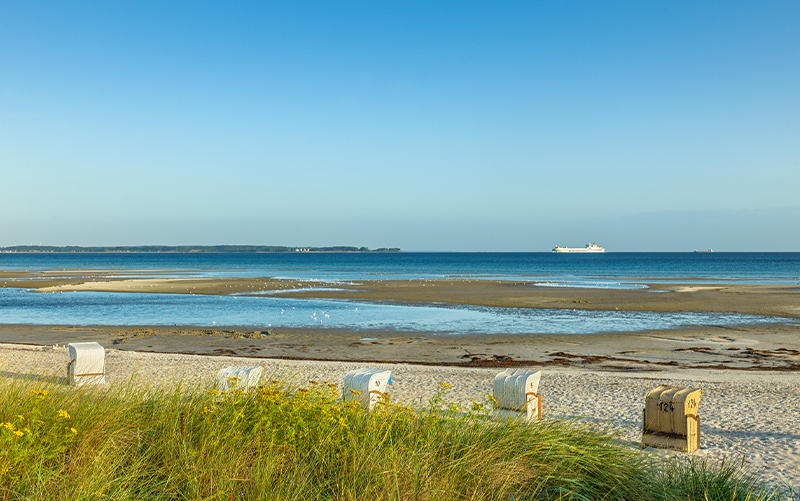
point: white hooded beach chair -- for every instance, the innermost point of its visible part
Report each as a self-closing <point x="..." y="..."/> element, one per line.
<point x="238" y="378"/>
<point x="366" y="386"/>
<point x="516" y="394"/>
<point x="87" y="364"/>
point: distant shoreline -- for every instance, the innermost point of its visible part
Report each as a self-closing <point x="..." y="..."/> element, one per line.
<point x="179" y="249"/>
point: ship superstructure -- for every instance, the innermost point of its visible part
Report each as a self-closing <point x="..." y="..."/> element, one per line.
<point x="589" y="248"/>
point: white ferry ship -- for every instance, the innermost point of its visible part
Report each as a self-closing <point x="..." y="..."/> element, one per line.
<point x="588" y="248"/>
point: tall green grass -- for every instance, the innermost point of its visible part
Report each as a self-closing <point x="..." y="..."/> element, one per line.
<point x="133" y="441"/>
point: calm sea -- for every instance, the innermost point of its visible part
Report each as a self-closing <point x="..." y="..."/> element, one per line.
<point x="608" y="270"/>
<point x="771" y="266"/>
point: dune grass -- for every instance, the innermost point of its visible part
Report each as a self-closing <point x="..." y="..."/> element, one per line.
<point x="277" y="442"/>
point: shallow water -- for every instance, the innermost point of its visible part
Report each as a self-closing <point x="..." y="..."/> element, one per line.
<point x="108" y="308"/>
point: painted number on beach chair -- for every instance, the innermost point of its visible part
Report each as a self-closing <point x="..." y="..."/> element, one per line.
<point x="666" y="406"/>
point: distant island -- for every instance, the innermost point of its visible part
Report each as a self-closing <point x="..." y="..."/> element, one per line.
<point x="190" y="248"/>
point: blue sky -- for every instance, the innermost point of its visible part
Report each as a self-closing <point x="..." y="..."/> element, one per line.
<point x="458" y="126"/>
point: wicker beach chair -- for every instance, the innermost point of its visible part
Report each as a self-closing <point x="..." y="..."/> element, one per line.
<point x="238" y="378"/>
<point x="515" y="394"/>
<point x="87" y="364"/>
<point x="670" y="419"/>
<point x="366" y="386"/>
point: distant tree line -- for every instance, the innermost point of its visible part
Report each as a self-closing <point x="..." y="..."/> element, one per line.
<point x="191" y="248"/>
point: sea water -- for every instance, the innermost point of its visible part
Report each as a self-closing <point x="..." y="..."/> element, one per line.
<point x="612" y="270"/>
<point x="769" y="266"/>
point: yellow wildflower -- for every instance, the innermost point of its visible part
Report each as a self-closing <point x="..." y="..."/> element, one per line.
<point x="74" y="431"/>
<point x="9" y="426"/>
<point x="355" y="392"/>
<point x="63" y="414"/>
<point x="18" y="433"/>
<point x="444" y="385"/>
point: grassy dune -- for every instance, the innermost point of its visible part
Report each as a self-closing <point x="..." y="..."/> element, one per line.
<point x="283" y="442"/>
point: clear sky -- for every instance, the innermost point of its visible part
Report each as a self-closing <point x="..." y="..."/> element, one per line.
<point x="458" y="126"/>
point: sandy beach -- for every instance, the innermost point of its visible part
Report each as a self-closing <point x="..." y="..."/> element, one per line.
<point x="750" y="416"/>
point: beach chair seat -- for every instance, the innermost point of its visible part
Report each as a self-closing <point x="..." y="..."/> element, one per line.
<point x="670" y="419"/>
<point x="87" y="364"/>
<point x="516" y="394"/>
<point x="366" y="386"/>
<point x="238" y="378"/>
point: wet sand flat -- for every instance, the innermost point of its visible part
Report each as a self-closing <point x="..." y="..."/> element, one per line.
<point x="673" y="296"/>
<point x="774" y="348"/>
<point x="771" y="347"/>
